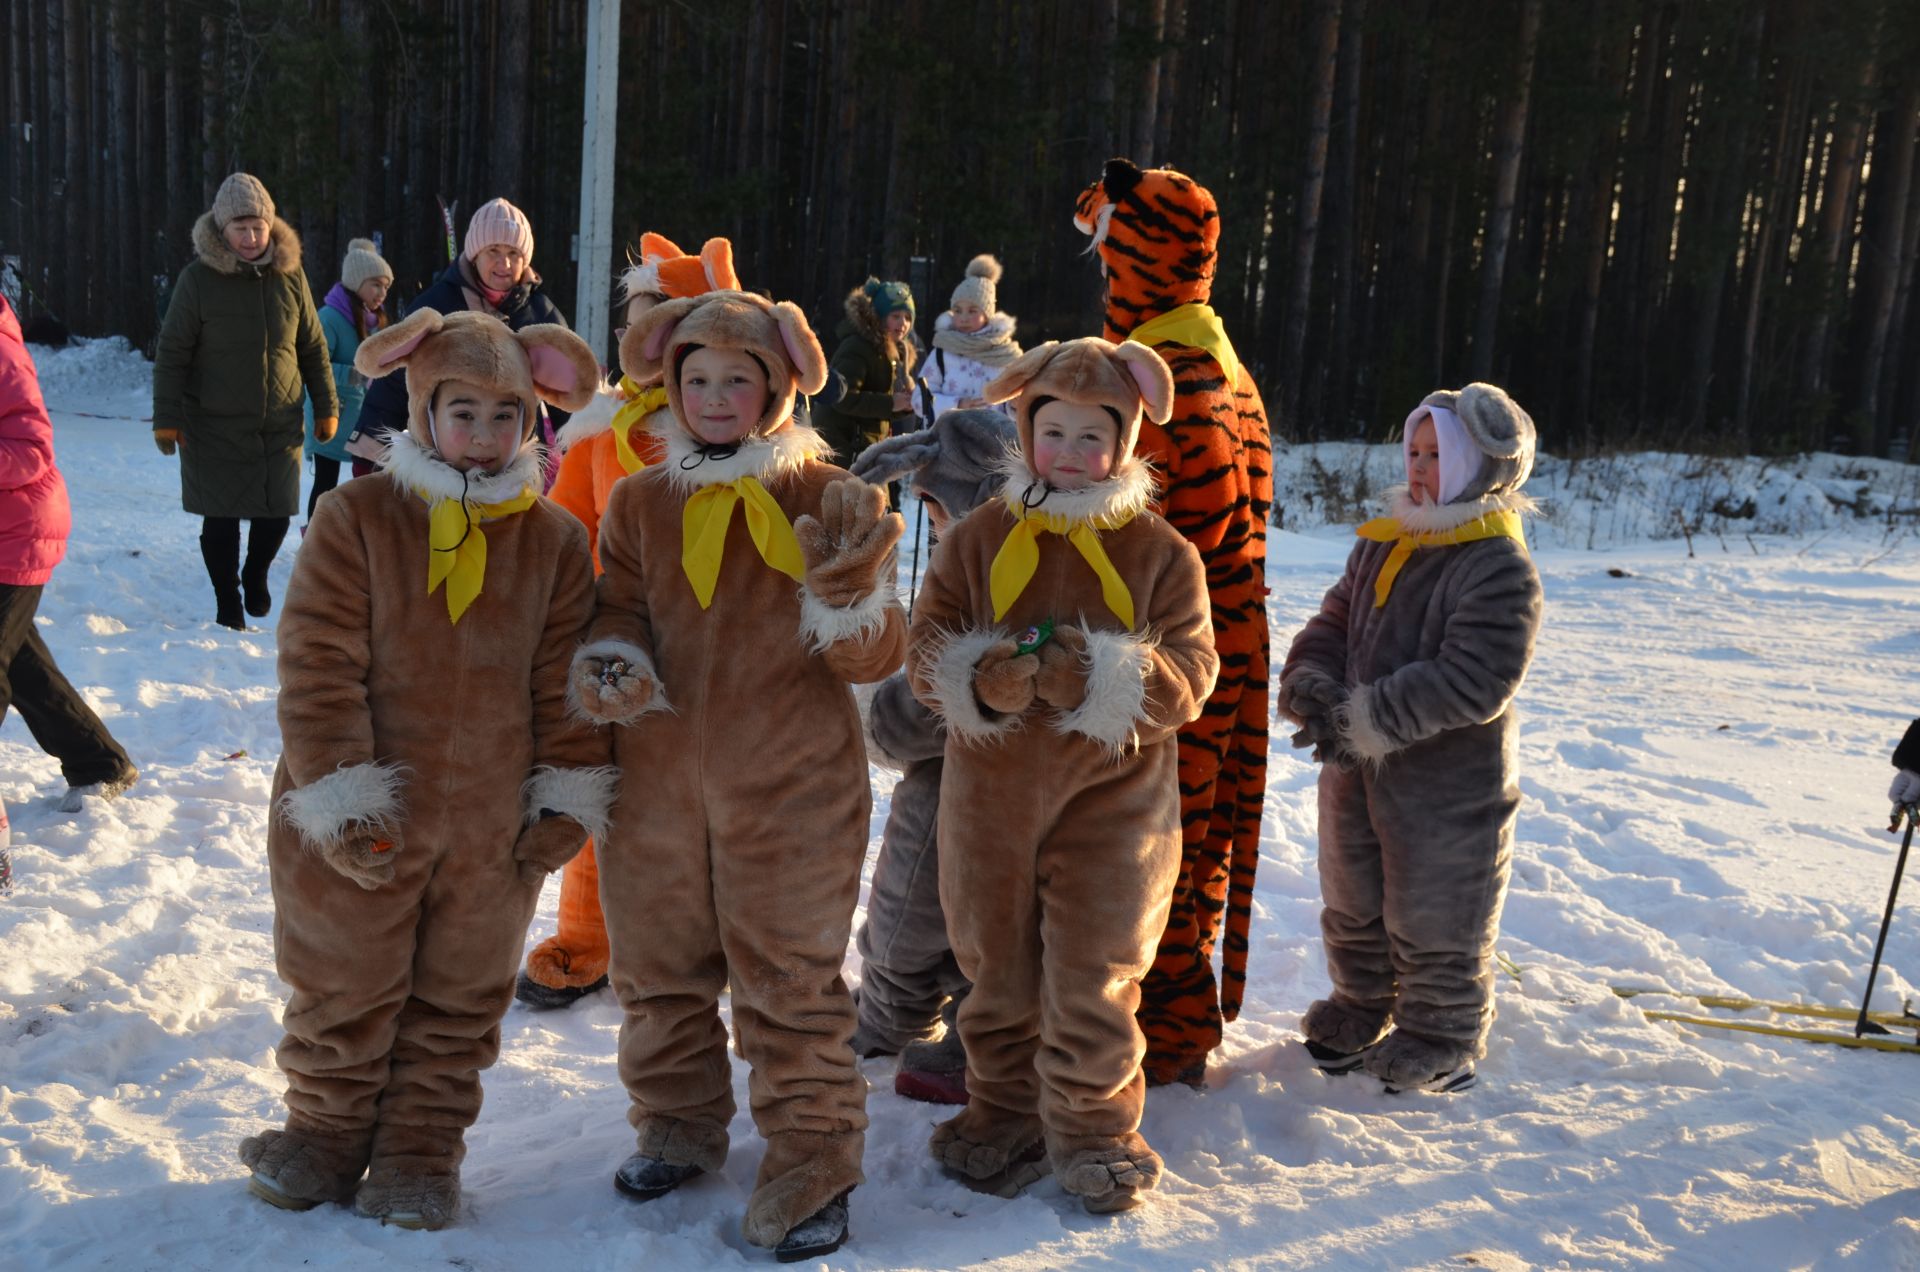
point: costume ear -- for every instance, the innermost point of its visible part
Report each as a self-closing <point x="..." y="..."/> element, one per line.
<point x="565" y="372"/>
<point x="658" y="247"/>
<point x="1119" y="178"/>
<point x="803" y="349"/>
<point x="895" y="456"/>
<point x="1149" y="371"/>
<point x="1499" y="427"/>
<point x="387" y="350"/>
<point x="717" y="258"/>
<point x="643" y="350"/>
<point x="1017" y="373"/>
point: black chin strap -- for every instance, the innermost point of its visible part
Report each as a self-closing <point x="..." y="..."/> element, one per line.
<point x="709" y="450"/>
<point x="1027" y="501"/>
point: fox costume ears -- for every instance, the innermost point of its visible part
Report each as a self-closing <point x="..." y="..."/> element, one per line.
<point x="1127" y="376"/>
<point x="666" y="270"/>
<point x="546" y="360"/>
<point x="777" y="332"/>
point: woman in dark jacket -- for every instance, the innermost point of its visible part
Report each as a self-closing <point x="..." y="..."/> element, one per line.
<point x="870" y="370"/>
<point x="494" y="275"/>
<point x="239" y="351"/>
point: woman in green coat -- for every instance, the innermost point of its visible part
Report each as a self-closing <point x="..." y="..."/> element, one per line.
<point x="350" y="313"/>
<point x="240" y="348"/>
<point x="872" y="370"/>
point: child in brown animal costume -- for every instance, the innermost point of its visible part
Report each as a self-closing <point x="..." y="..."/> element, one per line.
<point x="1063" y="636"/>
<point x="1405" y="680"/>
<point x="431" y="774"/>
<point x="723" y="646"/>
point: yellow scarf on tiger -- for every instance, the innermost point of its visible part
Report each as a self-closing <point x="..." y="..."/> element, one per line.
<point x="1014" y="565"/>
<point x="1196" y="326"/>
<point x="703" y="533"/>
<point x="1502" y="523"/>
<point x="458" y="555"/>
<point x="640" y="403"/>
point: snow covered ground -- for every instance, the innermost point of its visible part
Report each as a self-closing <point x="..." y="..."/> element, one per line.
<point x="1704" y="747"/>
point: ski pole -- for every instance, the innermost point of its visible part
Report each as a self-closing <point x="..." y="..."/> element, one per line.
<point x="919" y="524"/>
<point x="1863" y="1025"/>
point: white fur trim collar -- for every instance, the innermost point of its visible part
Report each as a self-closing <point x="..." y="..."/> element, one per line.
<point x="1123" y="496"/>
<point x="766" y="457"/>
<point x="591" y="420"/>
<point x="1425" y="518"/>
<point x="418" y="469"/>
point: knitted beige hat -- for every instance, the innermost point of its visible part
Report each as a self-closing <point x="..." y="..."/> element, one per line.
<point x="498" y="221"/>
<point x="241" y="194"/>
<point x="362" y="263"/>
<point x="980" y="285"/>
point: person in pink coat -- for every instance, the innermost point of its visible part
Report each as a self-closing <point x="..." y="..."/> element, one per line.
<point x="34" y="521"/>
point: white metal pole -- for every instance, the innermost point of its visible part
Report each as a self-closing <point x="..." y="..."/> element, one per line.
<point x="596" y="172"/>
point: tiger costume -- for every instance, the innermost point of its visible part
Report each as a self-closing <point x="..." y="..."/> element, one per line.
<point x="1156" y="232"/>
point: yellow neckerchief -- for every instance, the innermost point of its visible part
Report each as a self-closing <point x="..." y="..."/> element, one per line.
<point x="1014" y="565"/>
<point x="703" y="533"/>
<point x="1196" y="326"/>
<point x="1500" y="523"/>
<point x="458" y="555"/>
<point x="639" y="404"/>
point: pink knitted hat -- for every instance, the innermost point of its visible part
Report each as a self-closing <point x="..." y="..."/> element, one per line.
<point x="498" y="221"/>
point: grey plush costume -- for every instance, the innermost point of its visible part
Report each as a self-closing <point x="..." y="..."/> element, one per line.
<point x="909" y="970"/>
<point x="1417" y="812"/>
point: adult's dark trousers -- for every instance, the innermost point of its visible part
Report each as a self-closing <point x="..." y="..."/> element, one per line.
<point x="326" y="475"/>
<point x="55" y="713"/>
<point x="220" y="549"/>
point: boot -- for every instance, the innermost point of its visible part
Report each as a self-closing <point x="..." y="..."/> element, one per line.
<point x="1109" y="1173"/>
<point x="303" y="1166"/>
<point x="935" y="1072"/>
<point x="264" y="536"/>
<point x="413" y="1178"/>
<point x="221" y="552"/>
<point x="1412" y="1062"/>
<point x="1341" y="1035"/>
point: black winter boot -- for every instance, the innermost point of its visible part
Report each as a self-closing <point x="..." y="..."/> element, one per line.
<point x="220" y="549"/>
<point x="264" y="537"/>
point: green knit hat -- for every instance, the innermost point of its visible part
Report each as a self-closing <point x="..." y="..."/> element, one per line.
<point x="888" y="297"/>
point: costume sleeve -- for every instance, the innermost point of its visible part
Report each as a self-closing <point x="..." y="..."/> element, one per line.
<point x="573" y="489"/>
<point x="850" y="363"/>
<point x="622" y="624"/>
<point x="900" y="726"/>
<point x="1319" y="649"/>
<point x="310" y="347"/>
<point x="326" y="724"/>
<point x="173" y="353"/>
<point x="946" y="642"/>
<point x="571" y="755"/>
<point x="1476" y="672"/>
<point x="1144" y="685"/>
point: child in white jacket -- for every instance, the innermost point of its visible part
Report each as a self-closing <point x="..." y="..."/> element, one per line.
<point x="972" y="342"/>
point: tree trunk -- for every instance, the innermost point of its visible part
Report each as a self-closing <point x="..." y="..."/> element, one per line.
<point x="1106" y="34"/>
<point x="1509" y="144"/>
<point x="1147" y="116"/>
<point x="1169" y="93"/>
<point x="1325" y="43"/>
<point x="1884" y="249"/>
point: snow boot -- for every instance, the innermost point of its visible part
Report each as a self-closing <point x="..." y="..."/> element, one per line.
<point x="400" y="1197"/>
<point x="114" y="787"/>
<point x="802" y="1176"/>
<point x="1340" y="1035"/>
<point x="991" y="1150"/>
<point x="643" y="1178"/>
<point x="220" y="551"/>
<point x="264" y="537"/>
<point x="816" y="1236"/>
<point x="302" y="1166"/>
<point x="934" y="1072"/>
<point x="1410" y="1062"/>
<point x="547" y="998"/>
<point x="1109" y="1173"/>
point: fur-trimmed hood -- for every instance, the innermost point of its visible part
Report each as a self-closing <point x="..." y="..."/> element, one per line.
<point x="417" y="470"/>
<point x="1125" y="494"/>
<point x="766" y="457"/>
<point x="863" y="322"/>
<point x="1426" y="518"/>
<point x="210" y="245"/>
<point x="1129" y="379"/>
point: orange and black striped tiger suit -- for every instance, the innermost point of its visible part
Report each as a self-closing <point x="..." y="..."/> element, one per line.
<point x="1156" y="232"/>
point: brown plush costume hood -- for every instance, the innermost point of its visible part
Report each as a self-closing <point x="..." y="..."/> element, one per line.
<point x="776" y="334"/>
<point x="210" y="245"/>
<point x="541" y="363"/>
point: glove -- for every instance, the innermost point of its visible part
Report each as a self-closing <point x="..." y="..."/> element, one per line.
<point x="1905" y="789"/>
<point x="167" y="439"/>
<point x="1062" y="679"/>
<point x="325" y="427"/>
<point x="547" y="845"/>
<point x="846" y="546"/>
<point x="363" y="852"/>
<point x="612" y="690"/>
<point x="1003" y="679"/>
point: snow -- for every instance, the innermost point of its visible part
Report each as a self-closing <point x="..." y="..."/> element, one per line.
<point x="1704" y="753"/>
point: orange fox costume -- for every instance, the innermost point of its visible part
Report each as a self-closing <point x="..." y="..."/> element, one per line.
<point x="613" y="437"/>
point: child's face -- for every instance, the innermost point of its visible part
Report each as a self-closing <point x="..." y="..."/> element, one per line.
<point x="247" y="236"/>
<point x="475" y="428"/>
<point x="500" y="265"/>
<point x="373" y="292"/>
<point x="1423" y="463"/>
<point x="724" y="393"/>
<point x="897" y="323"/>
<point x="1073" y="445"/>
<point x="968" y="317"/>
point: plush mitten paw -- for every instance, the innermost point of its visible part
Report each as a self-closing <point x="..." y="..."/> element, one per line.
<point x="613" y="690"/>
<point x="363" y="852"/>
<point x="547" y="845"/>
<point x="846" y="545"/>
<point x="1004" y="678"/>
<point x="1307" y="693"/>
<point x="1062" y="679"/>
